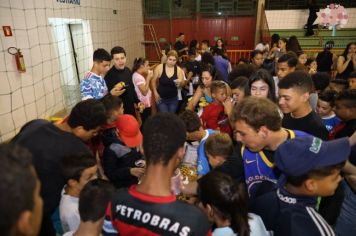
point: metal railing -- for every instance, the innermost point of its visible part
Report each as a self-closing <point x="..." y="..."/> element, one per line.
<point x="302" y="4"/>
<point x="236" y="55"/>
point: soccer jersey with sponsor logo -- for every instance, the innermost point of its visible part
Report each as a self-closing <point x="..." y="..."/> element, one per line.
<point x="259" y="168"/>
<point x="134" y="213"/>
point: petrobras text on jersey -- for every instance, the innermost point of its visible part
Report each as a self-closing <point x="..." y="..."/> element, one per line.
<point x="75" y="2"/>
<point x="153" y="220"/>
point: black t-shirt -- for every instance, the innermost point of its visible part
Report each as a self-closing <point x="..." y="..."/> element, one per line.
<point x="311" y="124"/>
<point x="194" y="66"/>
<point x="347" y="131"/>
<point x="129" y="98"/>
<point x="48" y="145"/>
<point x="179" y="46"/>
<point x="133" y="213"/>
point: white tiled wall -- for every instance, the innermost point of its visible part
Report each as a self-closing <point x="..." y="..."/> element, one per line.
<point x="296" y="19"/>
<point x="38" y="93"/>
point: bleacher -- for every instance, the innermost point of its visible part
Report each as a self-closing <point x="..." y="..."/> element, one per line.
<point x="342" y="38"/>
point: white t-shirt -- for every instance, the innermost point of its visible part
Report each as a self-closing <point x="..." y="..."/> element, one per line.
<point x="257" y="228"/>
<point x="70" y="233"/>
<point x="69" y="212"/>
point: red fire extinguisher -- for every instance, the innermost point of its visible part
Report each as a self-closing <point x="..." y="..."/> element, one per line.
<point x="20" y="62"/>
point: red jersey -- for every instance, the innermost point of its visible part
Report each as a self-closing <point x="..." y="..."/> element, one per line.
<point x="214" y="117"/>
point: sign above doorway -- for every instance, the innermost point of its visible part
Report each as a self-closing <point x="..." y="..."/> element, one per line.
<point x="75" y="2"/>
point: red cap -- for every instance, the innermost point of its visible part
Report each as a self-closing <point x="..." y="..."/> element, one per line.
<point x="129" y="130"/>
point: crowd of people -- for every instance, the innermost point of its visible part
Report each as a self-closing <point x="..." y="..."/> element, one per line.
<point x="271" y="142"/>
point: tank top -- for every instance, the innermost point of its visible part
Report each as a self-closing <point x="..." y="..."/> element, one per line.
<point x="325" y="61"/>
<point x="345" y="74"/>
<point x="166" y="86"/>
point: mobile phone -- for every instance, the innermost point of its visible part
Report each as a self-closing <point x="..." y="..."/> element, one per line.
<point x="126" y="86"/>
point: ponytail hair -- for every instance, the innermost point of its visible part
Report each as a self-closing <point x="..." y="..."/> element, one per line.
<point x="227" y="198"/>
<point x="138" y="62"/>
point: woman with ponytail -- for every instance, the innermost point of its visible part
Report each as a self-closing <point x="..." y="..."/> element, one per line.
<point x="225" y="203"/>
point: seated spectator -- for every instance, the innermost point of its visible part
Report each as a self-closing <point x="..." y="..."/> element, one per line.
<point x="302" y="58"/>
<point x="325" y="109"/>
<point x="122" y="163"/>
<point x="218" y="147"/>
<point x="77" y="171"/>
<point x="214" y="116"/>
<point x="312" y="66"/>
<point x="93" y="85"/>
<point x="346" y="62"/>
<point x="225" y="203"/>
<point x="93" y="201"/>
<point x="261" y="84"/>
<point x="294" y="92"/>
<point x="310" y="168"/>
<point x="196" y="132"/>
<point x="352" y="80"/>
<point x="20" y="201"/>
<point x="326" y="60"/>
<point x="150" y="208"/>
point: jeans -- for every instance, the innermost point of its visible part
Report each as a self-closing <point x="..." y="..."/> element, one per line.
<point x="168" y="105"/>
<point x="346" y="222"/>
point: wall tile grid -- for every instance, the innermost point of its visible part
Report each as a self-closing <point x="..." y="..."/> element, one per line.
<point x="39" y="92"/>
<point x="296" y="19"/>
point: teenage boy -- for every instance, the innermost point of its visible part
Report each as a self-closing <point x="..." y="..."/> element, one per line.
<point x="310" y="168"/>
<point x="257" y="124"/>
<point x="286" y="64"/>
<point x="294" y="91"/>
<point x="77" y="171"/>
<point x="93" y="201"/>
<point x="150" y="208"/>
<point x="93" y="85"/>
<point x="49" y="143"/>
<point x="20" y="200"/>
<point x="120" y="73"/>
<point x="214" y="116"/>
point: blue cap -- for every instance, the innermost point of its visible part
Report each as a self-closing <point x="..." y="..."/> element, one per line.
<point x="298" y="156"/>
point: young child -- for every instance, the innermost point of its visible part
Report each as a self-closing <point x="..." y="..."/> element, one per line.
<point x="122" y="162"/>
<point x="345" y="109"/>
<point x="214" y="116"/>
<point x="310" y="168"/>
<point x="312" y="66"/>
<point x="225" y="203"/>
<point x="326" y="104"/>
<point x="93" y="200"/>
<point x="77" y="171"/>
<point x="218" y="147"/>
<point x="196" y="132"/>
<point x="352" y="80"/>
